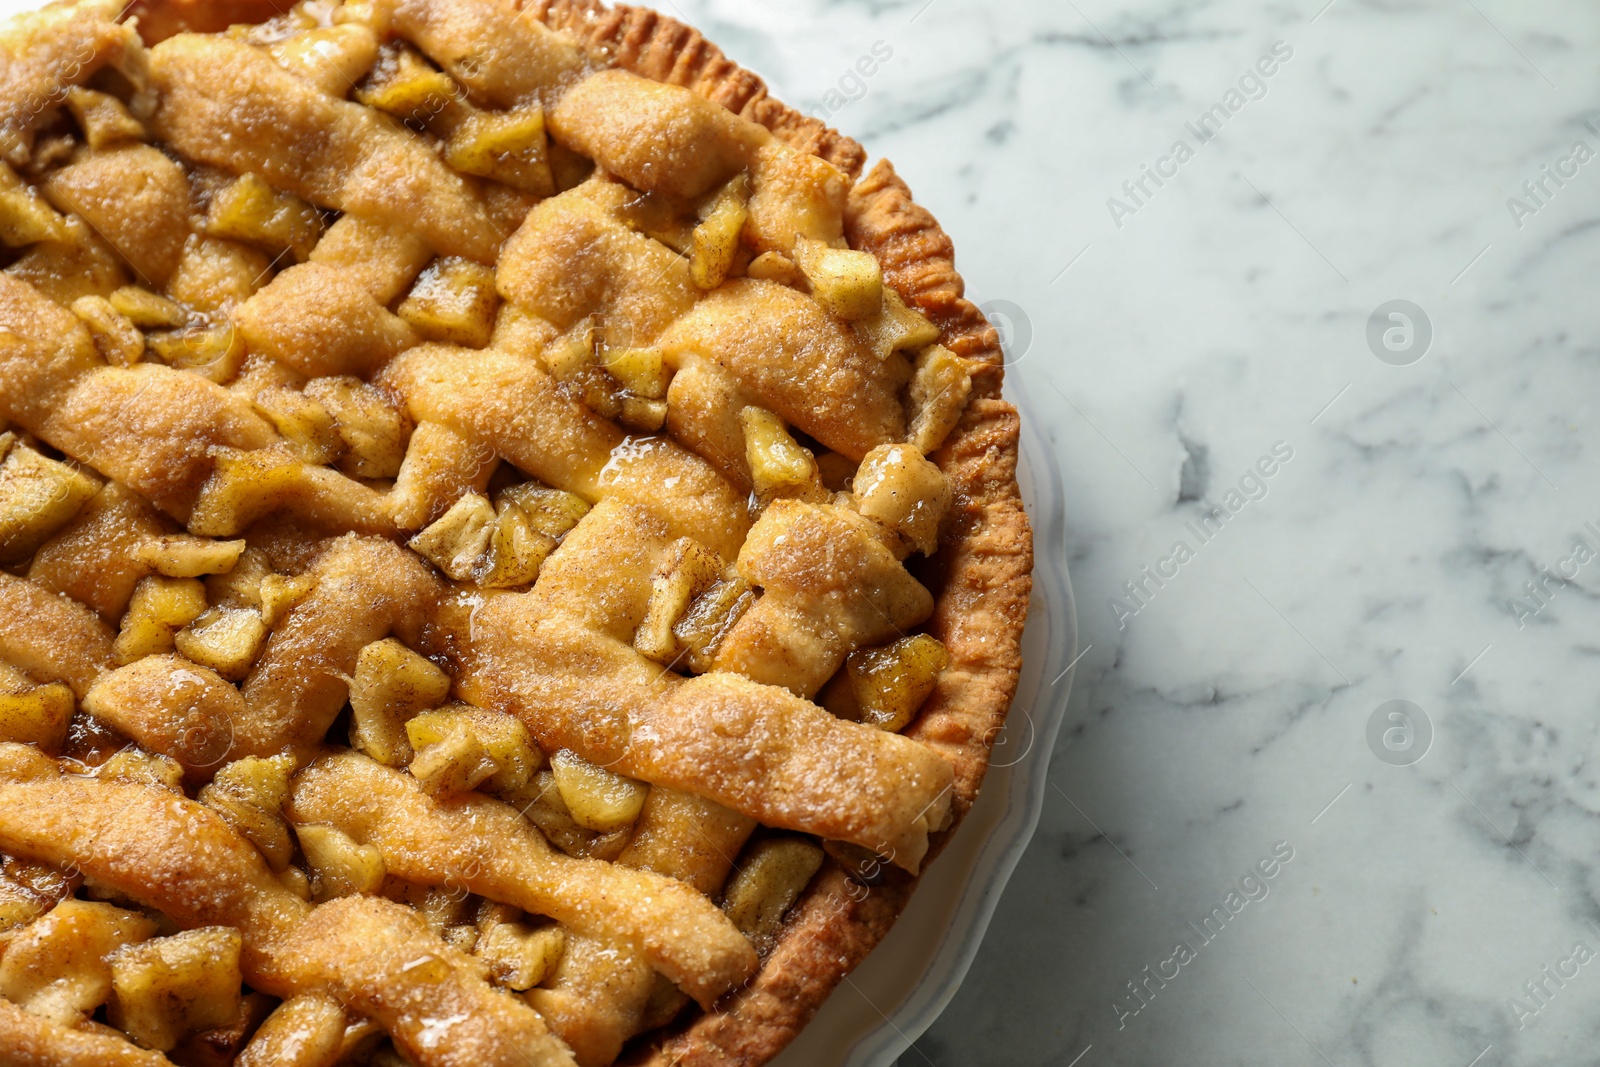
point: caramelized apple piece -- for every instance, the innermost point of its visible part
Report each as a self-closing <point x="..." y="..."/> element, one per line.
<point x="250" y="210"/>
<point x="716" y="239"/>
<point x="391" y="686"/>
<point x="552" y="512"/>
<point x="340" y="867"/>
<point x="26" y="217"/>
<point x="373" y="430"/>
<point x="640" y="371"/>
<point x="227" y="640"/>
<point x="462" y="747"/>
<point x="115" y="338"/>
<point x="775" y="267"/>
<point x="404" y="85"/>
<point x="453" y="301"/>
<point x="774" y="873"/>
<point x="36" y="714"/>
<point x="503" y="146"/>
<point x="215" y="351"/>
<point x="848" y="284"/>
<point x="303" y="422"/>
<point x="898" y="487"/>
<point x="599" y="799"/>
<point x="250" y="793"/>
<point x="281" y="595"/>
<point x="183" y="556"/>
<point x="145" y="309"/>
<point x="891" y="683"/>
<point x="170" y="987"/>
<point x="38" y="496"/>
<point x="686" y="572"/>
<point x="517" y="549"/>
<point x="895" y="328"/>
<point x="458" y="539"/>
<point x="712" y="614"/>
<point x="28" y="890"/>
<point x="778" y="465"/>
<point x="520" y="956"/>
<point x="937" y="396"/>
<point x="304" y="1029"/>
<point x="541" y="804"/>
<point x="159" y="609"/>
<point x="59" y="967"/>
<point x="240" y="585"/>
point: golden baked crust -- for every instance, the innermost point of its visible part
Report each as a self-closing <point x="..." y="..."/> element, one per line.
<point x="984" y="581"/>
<point x="980" y="577"/>
<point x="665" y="50"/>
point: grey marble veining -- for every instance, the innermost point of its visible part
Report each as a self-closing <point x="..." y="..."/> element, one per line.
<point x="1172" y="339"/>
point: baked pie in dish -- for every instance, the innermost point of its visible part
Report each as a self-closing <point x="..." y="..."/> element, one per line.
<point x="511" y="544"/>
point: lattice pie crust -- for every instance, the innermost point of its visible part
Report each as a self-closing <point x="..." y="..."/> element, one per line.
<point x="511" y="544"/>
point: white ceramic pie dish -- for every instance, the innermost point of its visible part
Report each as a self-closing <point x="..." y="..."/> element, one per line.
<point x="891" y="999"/>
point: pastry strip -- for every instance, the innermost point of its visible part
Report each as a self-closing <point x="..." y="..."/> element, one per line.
<point x="600" y="992"/>
<point x="510" y="404"/>
<point x="229" y="105"/>
<point x="555" y="657"/>
<point x="488" y="847"/>
<point x="45" y="52"/>
<point x="30" y="1041"/>
<point x="490" y="46"/>
<point x="793" y="358"/>
<point x="50" y="636"/>
<point x="376" y="957"/>
<point x="301" y="682"/>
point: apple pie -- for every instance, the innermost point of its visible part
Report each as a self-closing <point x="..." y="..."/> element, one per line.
<point x="510" y="549"/>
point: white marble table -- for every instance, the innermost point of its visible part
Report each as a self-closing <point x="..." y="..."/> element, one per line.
<point x="1217" y="321"/>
